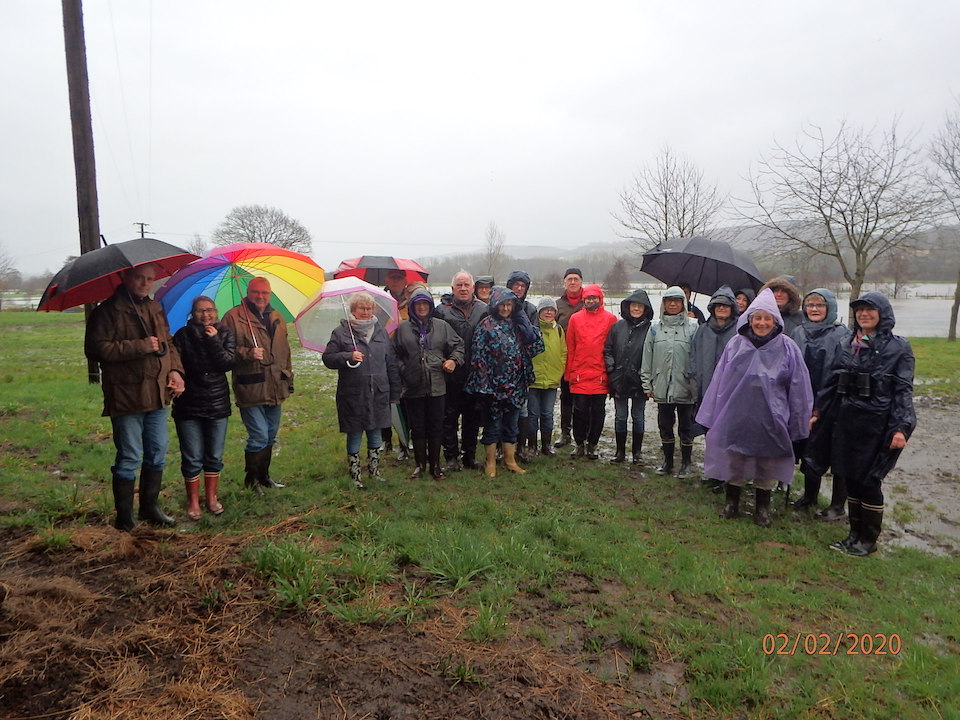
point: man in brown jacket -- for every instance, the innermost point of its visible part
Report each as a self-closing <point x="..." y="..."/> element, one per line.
<point x="262" y="377"/>
<point x="141" y="373"/>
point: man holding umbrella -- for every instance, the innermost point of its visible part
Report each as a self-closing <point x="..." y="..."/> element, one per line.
<point x="262" y="377"/>
<point x="129" y="337"/>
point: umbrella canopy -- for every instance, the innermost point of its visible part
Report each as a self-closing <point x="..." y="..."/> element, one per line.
<point x="223" y="274"/>
<point x="374" y="268"/>
<point x="96" y="274"/>
<point x="702" y="264"/>
<point x="324" y="311"/>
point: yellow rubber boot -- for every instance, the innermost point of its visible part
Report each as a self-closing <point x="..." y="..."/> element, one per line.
<point x="490" y="465"/>
<point x="510" y="458"/>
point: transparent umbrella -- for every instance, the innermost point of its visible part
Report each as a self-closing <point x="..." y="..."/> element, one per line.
<point x="327" y="308"/>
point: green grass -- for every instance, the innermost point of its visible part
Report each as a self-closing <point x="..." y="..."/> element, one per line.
<point x="589" y="559"/>
<point x="938" y="367"/>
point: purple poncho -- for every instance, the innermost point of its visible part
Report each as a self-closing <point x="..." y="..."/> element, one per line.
<point x="757" y="404"/>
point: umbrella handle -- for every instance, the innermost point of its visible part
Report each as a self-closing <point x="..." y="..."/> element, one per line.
<point x="351" y="364"/>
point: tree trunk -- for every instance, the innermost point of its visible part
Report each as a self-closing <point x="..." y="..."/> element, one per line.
<point x="952" y="332"/>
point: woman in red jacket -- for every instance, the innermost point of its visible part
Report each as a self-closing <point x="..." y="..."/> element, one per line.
<point x="586" y="371"/>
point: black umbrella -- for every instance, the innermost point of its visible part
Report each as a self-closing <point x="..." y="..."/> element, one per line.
<point x="96" y="274"/>
<point x="702" y="264"/>
<point x="374" y="268"/>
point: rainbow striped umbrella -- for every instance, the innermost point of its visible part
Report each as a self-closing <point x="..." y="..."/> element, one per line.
<point x="223" y="274"/>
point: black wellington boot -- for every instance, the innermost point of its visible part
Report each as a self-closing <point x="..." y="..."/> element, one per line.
<point x="667" y="467"/>
<point x="871" y="520"/>
<point x="419" y="457"/>
<point x="732" y="507"/>
<point x="838" y="497"/>
<point x="636" y="448"/>
<point x="263" y="477"/>
<point x="762" y="514"/>
<point x="854" y="513"/>
<point x="150" y="511"/>
<point x="251" y="471"/>
<point x="123" y="491"/>
<point x="811" y="491"/>
<point x="686" y="455"/>
<point x="621" y="454"/>
<point x="436" y="467"/>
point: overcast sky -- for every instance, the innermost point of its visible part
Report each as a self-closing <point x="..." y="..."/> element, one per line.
<point x="406" y="128"/>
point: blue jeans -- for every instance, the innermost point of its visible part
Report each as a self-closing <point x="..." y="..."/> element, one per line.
<point x="201" y="444"/>
<point x="636" y="410"/>
<point x="540" y="404"/>
<point x="262" y="423"/>
<point x="353" y="440"/>
<point x="501" y="422"/>
<point x="140" y="438"/>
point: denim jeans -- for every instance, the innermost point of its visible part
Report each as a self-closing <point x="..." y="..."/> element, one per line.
<point x="262" y="423"/>
<point x="634" y="407"/>
<point x="201" y="444"/>
<point x="353" y="440"/>
<point x="140" y="438"/>
<point x="501" y="422"/>
<point x="540" y="404"/>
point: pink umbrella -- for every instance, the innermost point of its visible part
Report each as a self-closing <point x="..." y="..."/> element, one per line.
<point x="328" y="307"/>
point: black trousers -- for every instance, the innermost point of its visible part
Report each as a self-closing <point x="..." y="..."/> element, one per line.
<point x="588" y="415"/>
<point x="684" y="416"/>
<point x="425" y="416"/>
<point x="566" y="406"/>
<point x="462" y="412"/>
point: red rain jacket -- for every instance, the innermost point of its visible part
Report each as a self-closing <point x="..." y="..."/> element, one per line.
<point x="586" y="334"/>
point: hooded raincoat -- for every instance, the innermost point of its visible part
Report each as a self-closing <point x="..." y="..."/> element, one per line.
<point x="757" y="405"/>
<point x="623" y="350"/>
<point x="500" y="359"/>
<point x="586" y="334"/>
<point x="821" y="342"/>
<point x="708" y="344"/>
<point x="791" y="314"/>
<point x="664" y="370"/>
<point x="528" y="307"/>
<point x="867" y="398"/>
<point x="421" y="348"/>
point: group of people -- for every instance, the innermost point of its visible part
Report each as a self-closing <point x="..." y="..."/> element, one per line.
<point x="144" y="370"/>
<point x="770" y="378"/>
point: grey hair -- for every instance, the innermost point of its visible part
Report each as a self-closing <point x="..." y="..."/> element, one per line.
<point x="361" y="298"/>
<point x="461" y="271"/>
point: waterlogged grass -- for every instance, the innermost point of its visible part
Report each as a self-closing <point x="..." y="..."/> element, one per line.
<point x="589" y="559"/>
<point x="938" y="366"/>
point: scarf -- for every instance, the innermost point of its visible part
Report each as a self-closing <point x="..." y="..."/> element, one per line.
<point x="861" y="342"/>
<point x="423" y="327"/>
<point x="364" y="328"/>
<point x="759" y="342"/>
<point x="575" y="299"/>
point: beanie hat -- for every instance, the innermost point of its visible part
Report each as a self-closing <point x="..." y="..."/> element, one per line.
<point x="574" y="271"/>
<point x="547" y="302"/>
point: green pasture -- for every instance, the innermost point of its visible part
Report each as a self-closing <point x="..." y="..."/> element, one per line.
<point x="626" y="571"/>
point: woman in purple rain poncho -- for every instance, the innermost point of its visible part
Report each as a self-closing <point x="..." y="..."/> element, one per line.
<point x="758" y="403"/>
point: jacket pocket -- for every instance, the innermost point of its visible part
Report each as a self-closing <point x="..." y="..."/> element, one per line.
<point x="252" y="379"/>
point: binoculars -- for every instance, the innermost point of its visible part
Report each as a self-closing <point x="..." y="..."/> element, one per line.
<point x="858" y="382"/>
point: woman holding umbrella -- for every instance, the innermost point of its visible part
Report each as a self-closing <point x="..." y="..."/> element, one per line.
<point x="367" y="381"/>
<point x="208" y="350"/>
<point x="427" y="349"/>
<point x="501" y="370"/>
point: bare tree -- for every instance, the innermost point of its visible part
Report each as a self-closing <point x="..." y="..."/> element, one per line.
<point x="198" y="246"/>
<point x="945" y="152"/>
<point x="7" y="269"/>
<point x="854" y="197"/>
<point x="668" y="199"/>
<point x="258" y="223"/>
<point x="493" y="249"/>
<point x="616" y="281"/>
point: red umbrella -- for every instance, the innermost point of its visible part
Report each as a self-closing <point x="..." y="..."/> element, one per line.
<point x="374" y="268"/>
<point x="96" y="274"/>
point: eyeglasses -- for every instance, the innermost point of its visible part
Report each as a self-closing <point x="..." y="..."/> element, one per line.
<point x="815" y="306"/>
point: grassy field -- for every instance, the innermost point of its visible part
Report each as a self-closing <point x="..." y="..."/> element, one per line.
<point x="627" y="573"/>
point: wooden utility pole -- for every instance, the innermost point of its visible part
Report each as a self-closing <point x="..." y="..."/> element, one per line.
<point x="952" y="330"/>
<point x="78" y="86"/>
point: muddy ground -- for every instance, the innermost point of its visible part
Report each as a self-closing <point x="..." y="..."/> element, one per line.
<point x="158" y="624"/>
